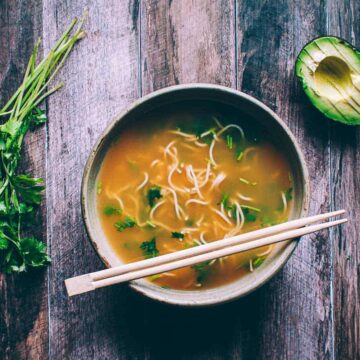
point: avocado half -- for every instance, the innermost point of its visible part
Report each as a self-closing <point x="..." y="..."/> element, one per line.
<point x="329" y="70"/>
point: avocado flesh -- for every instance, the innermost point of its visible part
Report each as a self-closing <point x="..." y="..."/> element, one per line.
<point x="329" y="70"/>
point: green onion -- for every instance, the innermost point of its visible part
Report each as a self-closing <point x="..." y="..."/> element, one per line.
<point x="21" y="194"/>
<point x="149" y="248"/>
<point x="229" y="141"/>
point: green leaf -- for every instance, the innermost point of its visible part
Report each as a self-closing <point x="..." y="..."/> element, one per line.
<point x="153" y="194"/>
<point x="30" y="189"/>
<point x="258" y="261"/>
<point x="4" y="244"/>
<point x="289" y="194"/>
<point x="203" y="271"/>
<point x="249" y="215"/>
<point x="149" y="248"/>
<point x="112" y="210"/>
<point x="225" y="200"/>
<point x="34" y="252"/>
<point x="177" y="235"/>
<point x="229" y="141"/>
<point x="37" y="117"/>
<point x="129" y="222"/>
<point x="99" y="188"/>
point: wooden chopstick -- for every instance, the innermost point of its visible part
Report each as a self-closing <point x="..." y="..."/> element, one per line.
<point x="169" y="262"/>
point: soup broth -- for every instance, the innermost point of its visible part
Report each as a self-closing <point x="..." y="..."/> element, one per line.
<point x="188" y="178"/>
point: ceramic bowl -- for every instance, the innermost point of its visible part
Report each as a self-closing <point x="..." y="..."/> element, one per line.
<point x="181" y="95"/>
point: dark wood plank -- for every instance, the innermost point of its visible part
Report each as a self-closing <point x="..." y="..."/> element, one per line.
<point x="344" y="21"/>
<point x="101" y="78"/>
<point x="188" y="41"/>
<point x="23" y="298"/>
<point x="290" y="318"/>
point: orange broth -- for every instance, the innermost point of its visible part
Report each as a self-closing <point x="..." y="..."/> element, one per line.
<point x="174" y="184"/>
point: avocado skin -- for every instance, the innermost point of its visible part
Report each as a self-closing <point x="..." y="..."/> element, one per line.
<point x="347" y="109"/>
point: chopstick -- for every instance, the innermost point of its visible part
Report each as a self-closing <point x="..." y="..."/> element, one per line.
<point x="192" y="256"/>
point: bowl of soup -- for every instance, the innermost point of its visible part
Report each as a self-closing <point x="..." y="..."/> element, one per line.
<point x="185" y="166"/>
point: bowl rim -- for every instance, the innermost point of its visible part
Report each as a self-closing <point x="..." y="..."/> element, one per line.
<point x="276" y="265"/>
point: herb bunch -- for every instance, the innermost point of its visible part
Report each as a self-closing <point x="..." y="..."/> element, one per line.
<point x="20" y="194"/>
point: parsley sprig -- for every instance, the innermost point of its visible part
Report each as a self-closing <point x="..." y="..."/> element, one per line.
<point x="20" y="194"/>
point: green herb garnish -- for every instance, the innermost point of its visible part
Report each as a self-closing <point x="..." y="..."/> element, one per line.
<point x="99" y="188"/>
<point x="128" y="222"/>
<point x="247" y="182"/>
<point x="189" y="222"/>
<point x="249" y="215"/>
<point x="229" y="141"/>
<point x="150" y="224"/>
<point x="149" y="248"/>
<point x="21" y="194"/>
<point x="225" y="200"/>
<point x="258" y="261"/>
<point x="177" y="235"/>
<point x="112" y="210"/>
<point x="289" y="194"/>
<point x="153" y="194"/>
<point x="203" y="271"/>
<point x="154" y="277"/>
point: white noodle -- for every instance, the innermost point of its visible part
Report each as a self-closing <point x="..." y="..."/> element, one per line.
<point x="154" y="208"/>
<point x="176" y="204"/>
<point x="120" y="201"/>
<point x="185" y="230"/>
<point x="170" y="179"/>
<point x="217" y="122"/>
<point x="168" y="274"/>
<point x="198" y="143"/>
<point x="177" y="132"/>
<point x="211" y="156"/>
<point x="188" y="146"/>
<point x="154" y="162"/>
<point x="196" y="201"/>
<point x="284" y="201"/>
<point x="218" y="180"/>
<point x="203" y="241"/>
<point x="251" y="265"/>
<point x="265" y="252"/>
<point x="198" y="223"/>
<point x="157" y="223"/>
<point x="221" y="215"/>
<point x="144" y="182"/>
<point x="206" y="133"/>
<point x="245" y="198"/>
<point x="196" y="186"/>
<point x="208" y="169"/>
<point x="197" y="242"/>
<point x="232" y="126"/>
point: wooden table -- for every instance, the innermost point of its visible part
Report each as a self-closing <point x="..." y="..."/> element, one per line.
<point x="311" y="309"/>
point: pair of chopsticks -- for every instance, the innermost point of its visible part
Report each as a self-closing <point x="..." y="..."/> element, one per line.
<point x="232" y="245"/>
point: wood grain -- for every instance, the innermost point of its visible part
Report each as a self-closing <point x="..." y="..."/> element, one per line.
<point x="183" y="42"/>
<point x="101" y="77"/>
<point x="310" y="310"/>
<point x="290" y="317"/>
<point x="23" y="298"/>
<point x="344" y="21"/>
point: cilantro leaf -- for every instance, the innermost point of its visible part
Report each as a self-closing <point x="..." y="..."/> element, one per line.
<point x="249" y="214"/>
<point x="112" y="210"/>
<point x="289" y="194"/>
<point x="203" y="271"/>
<point x="153" y="194"/>
<point x="258" y="261"/>
<point x="128" y="222"/>
<point x="149" y="248"/>
<point x="177" y="235"/>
